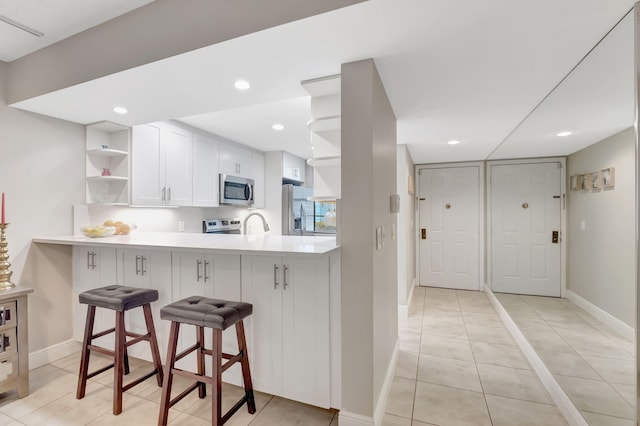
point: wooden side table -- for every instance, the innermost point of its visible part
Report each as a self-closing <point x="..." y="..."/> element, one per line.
<point x="14" y="340"/>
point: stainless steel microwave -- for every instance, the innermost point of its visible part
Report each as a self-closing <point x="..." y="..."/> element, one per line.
<point x="236" y="190"/>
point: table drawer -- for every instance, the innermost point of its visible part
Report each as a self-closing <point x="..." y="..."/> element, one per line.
<point x="8" y="343"/>
<point x="8" y="314"/>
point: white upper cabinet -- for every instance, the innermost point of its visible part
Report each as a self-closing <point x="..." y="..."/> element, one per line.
<point x="147" y="175"/>
<point x="177" y="144"/>
<point x="162" y="165"/>
<point x="293" y="168"/>
<point x="234" y="160"/>
<point x="206" y="185"/>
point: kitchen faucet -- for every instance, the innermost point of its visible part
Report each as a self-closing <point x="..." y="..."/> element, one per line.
<point x="265" y="226"/>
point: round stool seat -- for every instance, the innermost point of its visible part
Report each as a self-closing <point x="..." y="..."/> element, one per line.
<point x="205" y="312"/>
<point x="118" y="298"/>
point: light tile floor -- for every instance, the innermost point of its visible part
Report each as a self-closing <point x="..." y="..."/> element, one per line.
<point x="52" y="402"/>
<point x="593" y="364"/>
<point x="458" y="365"/>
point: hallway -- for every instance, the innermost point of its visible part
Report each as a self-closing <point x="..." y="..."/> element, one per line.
<point x="458" y="364"/>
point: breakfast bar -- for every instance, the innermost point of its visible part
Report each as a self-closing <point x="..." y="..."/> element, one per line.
<point x="292" y="282"/>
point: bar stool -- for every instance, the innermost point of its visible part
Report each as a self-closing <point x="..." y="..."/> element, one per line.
<point x="217" y="315"/>
<point x="119" y="299"/>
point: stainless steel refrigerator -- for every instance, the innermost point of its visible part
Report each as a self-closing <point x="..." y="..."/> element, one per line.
<point x="301" y="216"/>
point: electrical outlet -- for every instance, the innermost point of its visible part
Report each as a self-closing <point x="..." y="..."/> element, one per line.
<point x="180" y="226"/>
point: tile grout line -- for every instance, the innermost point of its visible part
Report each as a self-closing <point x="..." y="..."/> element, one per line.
<point x="473" y="354"/>
<point x="605" y="380"/>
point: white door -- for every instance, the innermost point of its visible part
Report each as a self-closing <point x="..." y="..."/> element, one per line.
<point x="525" y="212"/>
<point x="449" y="228"/>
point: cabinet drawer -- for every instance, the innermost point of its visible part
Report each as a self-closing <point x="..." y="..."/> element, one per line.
<point x="8" y="314"/>
<point x="8" y="373"/>
<point x="8" y="343"/>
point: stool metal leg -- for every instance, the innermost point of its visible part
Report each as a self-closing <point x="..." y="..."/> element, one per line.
<point x="165" y="400"/>
<point x="246" y="371"/>
<point x="153" y="341"/>
<point x="84" y="360"/>
<point x="216" y="393"/>
<point x="118" y="368"/>
<point x="202" y="387"/>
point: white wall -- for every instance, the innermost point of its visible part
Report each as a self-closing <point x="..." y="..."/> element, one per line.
<point x="406" y="231"/>
<point x="369" y="275"/>
<point x="42" y="175"/>
<point x="601" y="258"/>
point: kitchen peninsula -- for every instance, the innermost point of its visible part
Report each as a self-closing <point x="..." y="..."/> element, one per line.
<point x="293" y="283"/>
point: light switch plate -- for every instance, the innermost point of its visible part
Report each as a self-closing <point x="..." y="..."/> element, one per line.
<point x="378" y="238"/>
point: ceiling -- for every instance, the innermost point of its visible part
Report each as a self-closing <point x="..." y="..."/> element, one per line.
<point x="57" y="20"/>
<point x="461" y="69"/>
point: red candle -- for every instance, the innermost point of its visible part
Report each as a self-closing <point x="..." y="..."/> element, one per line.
<point x="3" y="222"/>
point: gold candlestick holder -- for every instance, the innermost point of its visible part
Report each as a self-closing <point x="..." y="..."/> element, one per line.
<point x="5" y="271"/>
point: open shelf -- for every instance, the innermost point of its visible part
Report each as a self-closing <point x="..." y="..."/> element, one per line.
<point x="324" y="161"/>
<point x="108" y="152"/>
<point x="107" y="178"/>
<point x="323" y="124"/>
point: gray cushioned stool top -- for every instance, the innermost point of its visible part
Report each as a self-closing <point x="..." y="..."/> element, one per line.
<point x="118" y="298"/>
<point x="201" y="311"/>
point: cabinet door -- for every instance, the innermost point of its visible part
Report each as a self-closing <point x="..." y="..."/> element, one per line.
<point x="213" y="276"/>
<point x="306" y="331"/>
<point x="205" y="172"/>
<point x="227" y="159"/>
<point x="147" y="269"/>
<point x="93" y="267"/>
<point x="147" y="174"/>
<point x="244" y="160"/>
<point x="178" y="157"/>
<point x="262" y="287"/>
<point x="257" y="170"/>
<point x="234" y="160"/>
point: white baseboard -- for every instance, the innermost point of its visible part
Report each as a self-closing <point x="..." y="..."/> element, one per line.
<point x="621" y="327"/>
<point x="403" y="310"/>
<point x="564" y="404"/>
<point x="350" y="419"/>
<point x="52" y="353"/>
<point x="378" y="412"/>
<point x="346" y="418"/>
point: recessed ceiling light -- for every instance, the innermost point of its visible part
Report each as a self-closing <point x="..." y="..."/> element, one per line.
<point x="120" y="110"/>
<point x="453" y="142"/>
<point x="277" y="127"/>
<point x="561" y="134"/>
<point x="242" y="85"/>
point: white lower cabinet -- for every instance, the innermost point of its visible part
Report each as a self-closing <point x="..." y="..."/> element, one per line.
<point x="213" y="276"/>
<point x="93" y="267"/>
<point x="149" y="269"/>
<point x="291" y="335"/>
<point x="289" y="342"/>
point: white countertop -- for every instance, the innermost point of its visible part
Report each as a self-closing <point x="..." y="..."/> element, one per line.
<point x="240" y="244"/>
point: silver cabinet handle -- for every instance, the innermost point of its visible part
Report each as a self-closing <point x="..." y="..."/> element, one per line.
<point x="169" y="194"/>
<point x="137" y="265"/>
<point x="286" y="268"/>
<point x="93" y="260"/>
<point x="164" y="193"/>
<point x="206" y="266"/>
<point x="143" y="269"/>
<point x="88" y="259"/>
<point x="275" y="277"/>
<point x="198" y="264"/>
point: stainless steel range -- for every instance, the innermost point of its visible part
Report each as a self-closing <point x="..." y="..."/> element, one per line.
<point x="221" y="226"/>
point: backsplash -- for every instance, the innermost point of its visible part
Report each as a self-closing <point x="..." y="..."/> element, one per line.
<point x="162" y="219"/>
